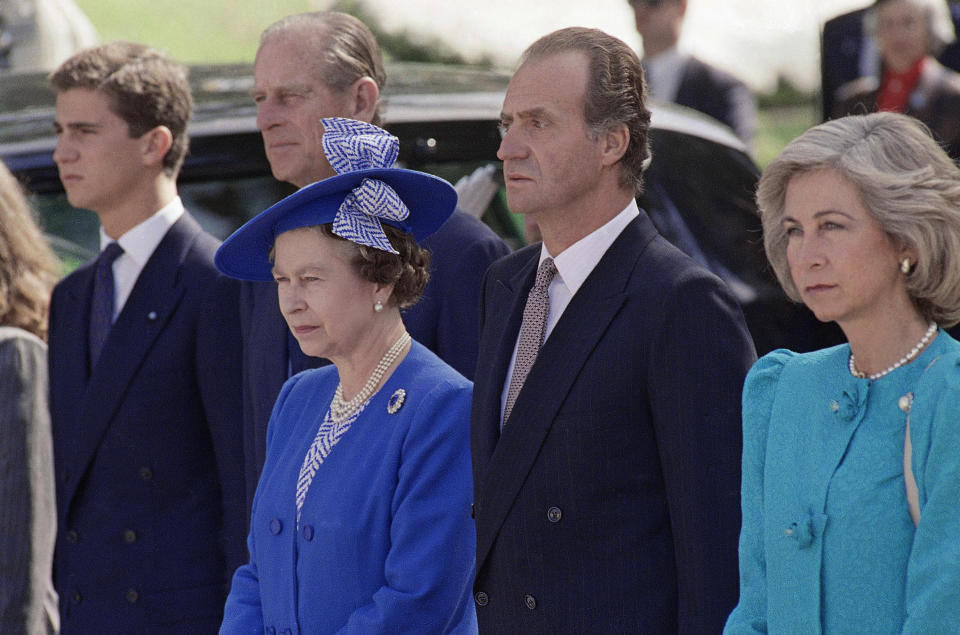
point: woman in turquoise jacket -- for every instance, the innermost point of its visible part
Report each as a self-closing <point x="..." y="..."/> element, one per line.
<point x="851" y="459"/>
<point x="361" y="519"/>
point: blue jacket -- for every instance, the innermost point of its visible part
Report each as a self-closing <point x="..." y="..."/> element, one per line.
<point x="445" y="320"/>
<point x="609" y="503"/>
<point x="828" y="544"/>
<point x="147" y="447"/>
<point x="385" y="543"/>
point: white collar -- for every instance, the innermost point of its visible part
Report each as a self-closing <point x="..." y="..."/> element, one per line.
<point x="140" y="241"/>
<point x="576" y="262"/>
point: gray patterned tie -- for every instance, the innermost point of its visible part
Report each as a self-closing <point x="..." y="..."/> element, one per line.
<point x="531" y="332"/>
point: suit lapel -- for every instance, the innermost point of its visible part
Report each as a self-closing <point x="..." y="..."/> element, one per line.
<point x="506" y="304"/>
<point x="576" y="334"/>
<point x="151" y="304"/>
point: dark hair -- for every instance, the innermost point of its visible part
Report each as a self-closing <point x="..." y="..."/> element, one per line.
<point x="145" y="88"/>
<point x="615" y="90"/>
<point x="408" y="271"/>
<point x="28" y="268"/>
<point x="345" y="49"/>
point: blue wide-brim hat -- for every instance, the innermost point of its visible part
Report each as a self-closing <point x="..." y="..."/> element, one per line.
<point x="414" y="202"/>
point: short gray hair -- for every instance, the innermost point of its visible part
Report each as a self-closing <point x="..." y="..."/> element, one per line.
<point x="937" y="15"/>
<point x="905" y="180"/>
<point x="345" y="48"/>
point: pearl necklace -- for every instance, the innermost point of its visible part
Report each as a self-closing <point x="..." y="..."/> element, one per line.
<point x="903" y="360"/>
<point x="341" y="410"/>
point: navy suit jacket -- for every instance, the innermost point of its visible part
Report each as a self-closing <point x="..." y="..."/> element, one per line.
<point x="445" y="320"/>
<point x="147" y="447"/>
<point x="610" y="502"/>
<point x="720" y="95"/>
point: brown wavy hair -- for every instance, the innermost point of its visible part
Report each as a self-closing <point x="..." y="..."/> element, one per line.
<point x="145" y="87"/>
<point x="28" y="267"/>
<point x="408" y="271"/>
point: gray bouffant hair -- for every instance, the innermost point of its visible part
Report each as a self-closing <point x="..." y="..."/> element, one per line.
<point x="906" y="182"/>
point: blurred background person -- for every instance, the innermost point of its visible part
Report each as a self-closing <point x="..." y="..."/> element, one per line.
<point x="908" y="35"/>
<point x="676" y="76"/>
<point x="851" y="474"/>
<point x="28" y="271"/>
<point x="39" y="34"/>
<point x="847" y="52"/>
<point x="361" y="518"/>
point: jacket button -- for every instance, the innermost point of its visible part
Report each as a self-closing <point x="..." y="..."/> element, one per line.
<point x="145" y="473"/>
<point x="132" y="596"/>
<point x="482" y="598"/>
<point x="75" y="597"/>
<point x="308" y="533"/>
<point x="129" y="536"/>
<point x="275" y="526"/>
<point x="72" y="536"/>
<point x="530" y="601"/>
<point x="473" y="511"/>
<point x="554" y="514"/>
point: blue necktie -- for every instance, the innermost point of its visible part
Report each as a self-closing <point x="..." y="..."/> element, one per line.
<point x="101" y="308"/>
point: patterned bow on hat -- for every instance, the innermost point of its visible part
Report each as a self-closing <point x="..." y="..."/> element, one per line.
<point x="354" y="145"/>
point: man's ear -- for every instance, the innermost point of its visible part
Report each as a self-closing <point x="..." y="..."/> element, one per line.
<point x="615" y="142"/>
<point x="365" y="95"/>
<point x="156" y="144"/>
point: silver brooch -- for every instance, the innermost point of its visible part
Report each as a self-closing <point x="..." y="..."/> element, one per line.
<point x="396" y="401"/>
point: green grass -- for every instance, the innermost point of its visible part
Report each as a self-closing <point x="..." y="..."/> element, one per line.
<point x="778" y="126"/>
<point x="188" y="30"/>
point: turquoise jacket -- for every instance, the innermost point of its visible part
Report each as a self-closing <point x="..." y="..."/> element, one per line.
<point x="385" y="542"/>
<point x="827" y="543"/>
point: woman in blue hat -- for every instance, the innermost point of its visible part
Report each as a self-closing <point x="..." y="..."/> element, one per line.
<point x="361" y="518"/>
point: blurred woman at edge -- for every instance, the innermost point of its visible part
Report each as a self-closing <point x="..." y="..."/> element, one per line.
<point x="28" y="271"/>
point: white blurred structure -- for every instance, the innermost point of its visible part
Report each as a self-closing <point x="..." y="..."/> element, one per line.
<point x="37" y="35"/>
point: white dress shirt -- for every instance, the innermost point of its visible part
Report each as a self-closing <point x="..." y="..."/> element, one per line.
<point x="138" y="245"/>
<point x="664" y="72"/>
<point x="574" y="265"/>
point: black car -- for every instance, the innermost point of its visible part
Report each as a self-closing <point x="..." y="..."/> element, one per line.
<point x="699" y="185"/>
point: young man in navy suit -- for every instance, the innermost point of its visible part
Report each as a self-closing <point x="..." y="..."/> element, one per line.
<point x="328" y="64"/>
<point x="606" y="483"/>
<point x="144" y="361"/>
<point x="676" y="76"/>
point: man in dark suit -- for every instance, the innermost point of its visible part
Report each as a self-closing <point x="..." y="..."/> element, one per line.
<point x="606" y="483"/>
<point x="675" y="76"/>
<point x="144" y="362"/>
<point x="328" y="64"/>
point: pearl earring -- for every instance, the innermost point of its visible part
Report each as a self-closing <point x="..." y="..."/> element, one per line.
<point x="905" y="266"/>
<point x="378" y="306"/>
